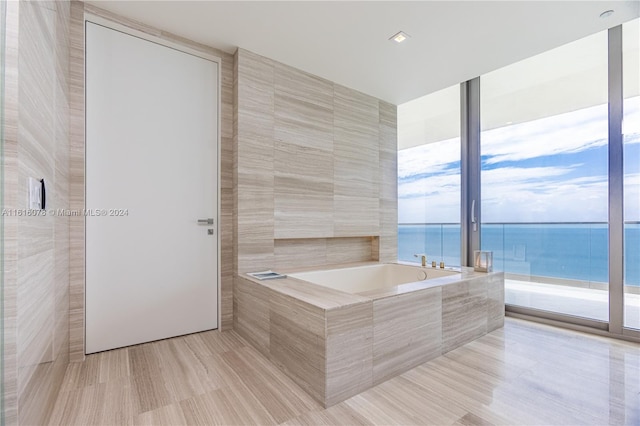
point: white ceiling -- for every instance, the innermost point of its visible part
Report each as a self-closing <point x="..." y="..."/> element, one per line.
<point x="347" y="42"/>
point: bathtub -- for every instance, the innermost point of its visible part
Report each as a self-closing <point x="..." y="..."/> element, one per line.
<point x="369" y="278"/>
<point x="337" y="331"/>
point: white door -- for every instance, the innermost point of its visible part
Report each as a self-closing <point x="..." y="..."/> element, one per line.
<point x="151" y="174"/>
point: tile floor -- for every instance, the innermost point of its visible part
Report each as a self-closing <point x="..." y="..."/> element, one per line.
<point x="524" y="373"/>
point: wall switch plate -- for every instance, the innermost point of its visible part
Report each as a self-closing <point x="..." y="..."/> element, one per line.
<point x="35" y="194"/>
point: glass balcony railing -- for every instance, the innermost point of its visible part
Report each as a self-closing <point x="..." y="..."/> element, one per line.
<point x="553" y="267"/>
<point x="439" y="241"/>
<point x="576" y="252"/>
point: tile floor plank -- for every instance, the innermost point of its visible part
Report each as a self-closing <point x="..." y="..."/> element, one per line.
<point x="524" y="373"/>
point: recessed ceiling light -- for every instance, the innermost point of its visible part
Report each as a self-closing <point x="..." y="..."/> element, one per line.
<point x="399" y="37"/>
<point x="606" y="13"/>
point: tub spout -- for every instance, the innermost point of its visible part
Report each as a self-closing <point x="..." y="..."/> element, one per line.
<point x="423" y="258"/>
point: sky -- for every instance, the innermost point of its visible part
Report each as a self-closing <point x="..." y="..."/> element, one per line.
<point x="552" y="169"/>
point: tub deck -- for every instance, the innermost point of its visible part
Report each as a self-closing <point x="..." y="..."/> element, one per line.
<point x="336" y="344"/>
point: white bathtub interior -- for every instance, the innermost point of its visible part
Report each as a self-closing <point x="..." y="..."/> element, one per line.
<point x="359" y="279"/>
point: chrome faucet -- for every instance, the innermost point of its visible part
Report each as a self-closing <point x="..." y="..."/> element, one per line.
<point x="423" y="257"/>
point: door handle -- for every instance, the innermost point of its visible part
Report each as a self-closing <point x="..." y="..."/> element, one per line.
<point x="473" y="215"/>
<point x="205" y="221"/>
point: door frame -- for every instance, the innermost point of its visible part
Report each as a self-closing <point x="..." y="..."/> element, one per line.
<point x="89" y="17"/>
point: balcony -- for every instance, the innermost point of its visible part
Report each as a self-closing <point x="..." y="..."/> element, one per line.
<point x="555" y="267"/>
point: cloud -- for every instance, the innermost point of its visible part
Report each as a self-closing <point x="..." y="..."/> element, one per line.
<point x="551" y="198"/>
<point x="530" y="175"/>
<point x="510" y="194"/>
<point x="541" y="194"/>
<point x="429" y="158"/>
<point x="431" y="185"/>
<point x="429" y="175"/>
<point x="572" y="132"/>
<point x="560" y="134"/>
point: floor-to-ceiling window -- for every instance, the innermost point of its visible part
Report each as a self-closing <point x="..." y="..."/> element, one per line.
<point x="544" y="178"/>
<point x="550" y="186"/>
<point x="631" y="138"/>
<point x="429" y="177"/>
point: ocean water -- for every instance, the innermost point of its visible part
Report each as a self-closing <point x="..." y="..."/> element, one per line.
<point x="569" y="251"/>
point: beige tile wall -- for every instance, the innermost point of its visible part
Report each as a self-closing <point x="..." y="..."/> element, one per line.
<point x="297" y="341"/>
<point x="255" y="162"/>
<point x="315" y="167"/>
<point x="407" y="331"/>
<point x="303" y="154"/>
<point x="303" y="252"/>
<point x="10" y="193"/>
<point x="76" y="182"/>
<point x="36" y="255"/>
<point x="349" y="351"/>
<point x="388" y="204"/>
<point x="471" y="309"/>
<point x="315" y="174"/>
<point x="226" y="219"/>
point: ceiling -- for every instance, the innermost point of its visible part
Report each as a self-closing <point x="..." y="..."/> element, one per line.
<point x="347" y="42"/>
<point x="561" y="80"/>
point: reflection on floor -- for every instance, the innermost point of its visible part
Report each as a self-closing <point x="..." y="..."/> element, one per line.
<point x="525" y="373"/>
<point x="582" y="302"/>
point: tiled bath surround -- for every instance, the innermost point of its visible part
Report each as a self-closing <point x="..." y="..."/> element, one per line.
<point x="315" y="183"/>
<point x="336" y="345"/>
